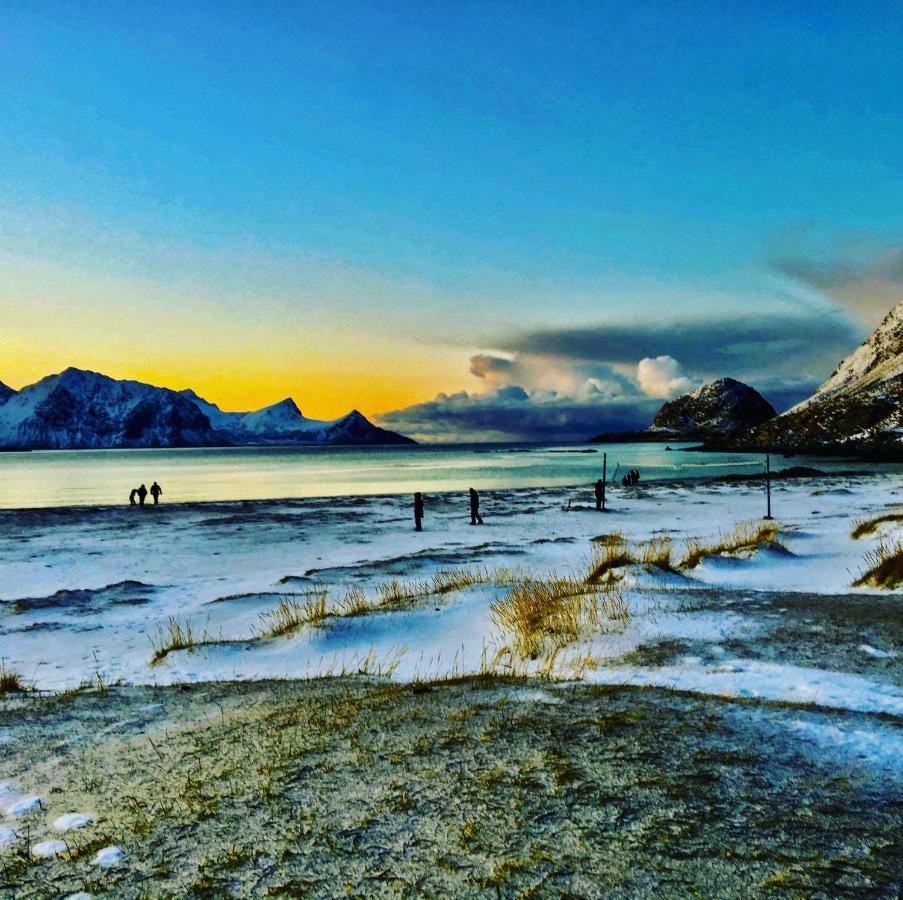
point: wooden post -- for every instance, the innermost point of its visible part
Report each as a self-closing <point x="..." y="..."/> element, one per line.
<point x="604" y="476"/>
<point x="768" y="484"/>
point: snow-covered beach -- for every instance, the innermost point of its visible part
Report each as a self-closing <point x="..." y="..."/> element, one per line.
<point x="772" y="639"/>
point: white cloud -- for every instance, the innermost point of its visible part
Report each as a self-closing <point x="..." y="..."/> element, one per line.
<point x="664" y="377"/>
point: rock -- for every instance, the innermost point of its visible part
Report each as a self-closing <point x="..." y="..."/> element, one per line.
<point x="858" y="410"/>
<point x="722" y="407"/>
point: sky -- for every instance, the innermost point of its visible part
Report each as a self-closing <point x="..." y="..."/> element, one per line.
<point x="467" y="220"/>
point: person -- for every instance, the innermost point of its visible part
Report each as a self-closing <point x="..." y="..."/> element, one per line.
<point x="156" y="490"/>
<point x="475" y="517"/>
<point x="142" y="495"/>
<point x="418" y="511"/>
<point x="600" y="494"/>
<point x="132" y="496"/>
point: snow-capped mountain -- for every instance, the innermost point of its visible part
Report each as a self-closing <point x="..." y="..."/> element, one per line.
<point x="859" y="409"/>
<point x="77" y="409"/>
<point x="283" y="423"/>
<point x="720" y="407"/>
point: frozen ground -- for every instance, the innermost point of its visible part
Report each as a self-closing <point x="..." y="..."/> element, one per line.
<point x="84" y="592"/>
<point x="775" y="645"/>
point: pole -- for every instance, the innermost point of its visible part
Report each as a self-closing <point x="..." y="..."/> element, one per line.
<point x="768" y="484"/>
<point x="604" y="476"/>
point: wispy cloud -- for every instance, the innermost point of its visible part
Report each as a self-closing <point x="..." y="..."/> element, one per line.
<point x="854" y="271"/>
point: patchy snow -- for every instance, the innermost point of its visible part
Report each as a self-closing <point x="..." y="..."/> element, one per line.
<point x="73" y="820"/>
<point x="25" y="805"/>
<point x="876" y="653"/>
<point x="877" y="745"/>
<point x="745" y="678"/>
<point x="8" y="837"/>
<point x="48" y="849"/>
<point x="109" y="856"/>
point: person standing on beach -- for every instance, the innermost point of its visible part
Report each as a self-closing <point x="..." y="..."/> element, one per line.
<point x="475" y="517"/>
<point x="142" y="495"/>
<point x="418" y="511"/>
<point x="132" y="496"/>
<point x="156" y="490"/>
<point x="600" y="494"/>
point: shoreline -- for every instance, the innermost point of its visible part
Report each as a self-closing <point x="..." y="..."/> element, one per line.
<point x="790" y="473"/>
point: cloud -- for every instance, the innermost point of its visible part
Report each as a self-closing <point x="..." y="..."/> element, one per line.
<point x="739" y="346"/>
<point x="664" y="377"/>
<point x="852" y="271"/>
<point x="511" y="413"/>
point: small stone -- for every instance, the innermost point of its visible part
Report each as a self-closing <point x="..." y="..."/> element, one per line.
<point x="48" y="849"/>
<point x="109" y="856"/>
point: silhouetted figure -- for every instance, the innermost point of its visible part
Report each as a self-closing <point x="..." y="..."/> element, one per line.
<point x="142" y="495"/>
<point x="156" y="490"/>
<point x="132" y="496"/>
<point x="475" y="517"/>
<point x="418" y="511"/>
<point x="631" y="479"/>
<point x="599" y="491"/>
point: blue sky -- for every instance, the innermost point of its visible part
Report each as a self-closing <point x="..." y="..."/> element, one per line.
<point x="388" y="189"/>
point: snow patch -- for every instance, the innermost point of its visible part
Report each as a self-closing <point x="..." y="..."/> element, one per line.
<point x="73" y="820"/>
<point x="48" y="849"/>
<point x="8" y="837"/>
<point x="109" y="857"/>
<point x="25" y="805"/>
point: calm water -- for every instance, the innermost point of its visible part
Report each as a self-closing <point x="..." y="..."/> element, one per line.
<point x="103" y="477"/>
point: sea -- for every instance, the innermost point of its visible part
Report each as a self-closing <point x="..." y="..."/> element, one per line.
<point x="60" y="478"/>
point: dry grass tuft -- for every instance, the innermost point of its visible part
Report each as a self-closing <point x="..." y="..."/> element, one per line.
<point x="745" y="536"/>
<point x="545" y="615"/>
<point x="656" y="553"/>
<point x="292" y="614"/>
<point x="884" y="567"/>
<point x="10" y="682"/>
<point x="866" y="527"/>
<point x="610" y="551"/>
<point x="175" y="636"/>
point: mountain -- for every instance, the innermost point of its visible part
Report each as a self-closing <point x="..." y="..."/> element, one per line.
<point x="721" y="407"/>
<point x="77" y="409"/>
<point x="5" y="393"/>
<point x="859" y="409"/>
<point x="283" y="423"/>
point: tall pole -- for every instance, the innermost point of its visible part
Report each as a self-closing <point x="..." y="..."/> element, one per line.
<point x="768" y="484"/>
<point x="604" y="477"/>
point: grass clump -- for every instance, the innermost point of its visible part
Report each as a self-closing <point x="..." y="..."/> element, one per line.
<point x="884" y="567"/>
<point x="174" y="636"/>
<point x="10" y="681"/>
<point x="610" y="551"/>
<point x="543" y="615"/>
<point x="292" y="614"/>
<point x="745" y="536"/>
<point x="866" y="527"/>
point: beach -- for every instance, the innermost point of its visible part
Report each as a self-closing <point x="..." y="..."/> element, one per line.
<point x="720" y="712"/>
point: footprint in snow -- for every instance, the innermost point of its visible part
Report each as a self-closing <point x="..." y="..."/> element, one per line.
<point x="73" y="820"/>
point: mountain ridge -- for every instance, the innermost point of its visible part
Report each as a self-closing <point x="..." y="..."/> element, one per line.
<point x="858" y="409"/>
<point x="81" y="409"/>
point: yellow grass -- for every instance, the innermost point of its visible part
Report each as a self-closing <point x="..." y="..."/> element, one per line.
<point x="10" y="682"/>
<point x="745" y="536"/>
<point x="292" y="614"/>
<point x="174" y="636"/>
<point x="542" y="615"/>
<point x="884" y="567"/>
<point x="865" y="527"/>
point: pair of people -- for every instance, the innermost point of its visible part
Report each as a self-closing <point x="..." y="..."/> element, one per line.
<point x="475" y="517"/>
<point x="631" y="479"/>
<point x="139" y="494"/>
